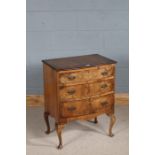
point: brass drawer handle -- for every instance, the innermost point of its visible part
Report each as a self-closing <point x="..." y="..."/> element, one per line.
<point x="71" y="77"/>
<point x="104" y="86"/>
<point x="71" y="92"/>
<point x="71" y="109"/>
<point x="104" y="73"/>
<point x="104" y="103"/>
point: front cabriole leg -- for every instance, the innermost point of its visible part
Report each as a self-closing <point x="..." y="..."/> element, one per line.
<point x="59" y="128"/>
<point x="112" y="122"/>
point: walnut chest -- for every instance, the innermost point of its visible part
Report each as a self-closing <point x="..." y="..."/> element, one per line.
<point x="78" y="88"/>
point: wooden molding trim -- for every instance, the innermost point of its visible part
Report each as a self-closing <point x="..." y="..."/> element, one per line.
<point x="38" y="100"/>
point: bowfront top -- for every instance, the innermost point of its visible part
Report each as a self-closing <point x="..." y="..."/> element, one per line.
<point x="78" y="62"/>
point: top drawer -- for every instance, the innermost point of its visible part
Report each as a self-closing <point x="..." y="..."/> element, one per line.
<point x="101" y="72"/>
<point x="86" y="75"/>
<point x="74" y="77"/>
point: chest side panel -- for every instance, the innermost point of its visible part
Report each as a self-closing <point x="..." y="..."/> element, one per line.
<point x="50" y="90"/>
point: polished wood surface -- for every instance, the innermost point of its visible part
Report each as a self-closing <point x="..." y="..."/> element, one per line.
<point x="84" y="75"/>
<point x="101" y="87"/>
<point x="78" y="62"/>
<point x="50" y="90"/>
<point x="73" y="92"/>
<point x="78" y="88"/>
<point x="75" y="108"/>
<point x="38" y="100"/>
<point x="103" y="103"/>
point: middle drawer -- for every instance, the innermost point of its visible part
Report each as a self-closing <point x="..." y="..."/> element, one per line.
<point x="101" y="87"/>
<point x="77" y="92"/>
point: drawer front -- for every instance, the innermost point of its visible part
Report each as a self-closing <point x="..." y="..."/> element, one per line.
<point x="104" y="103"/>
<point x="73" y="77"/>
<point x="84" y="75"/>
<point x="76" y="108"/>
<point x="105" y="71"/>
<point x="101" y="72"/>
<point x="75" y="92"/>
<point x="101" y="87"/>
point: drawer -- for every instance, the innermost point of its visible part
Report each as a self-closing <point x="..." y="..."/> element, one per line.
<point x="101" y="72"/>
<point x="104" y="103"/>
<point x="105" y="71"/>
<point x="73" y="92"/>
<point x="73" y="77"/>
<point x="76" y="108"/>
<point x="101" y="87"/>
<point x="86" y="75"/>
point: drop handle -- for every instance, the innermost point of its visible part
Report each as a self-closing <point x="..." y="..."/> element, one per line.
<point x="104" y="86"/>
<point x="71" y="77"/>
<point x="104" y="73"/>
<point x="71" y="92"/>
<point x="104" y="103"/>
<point x="71" y="109"/>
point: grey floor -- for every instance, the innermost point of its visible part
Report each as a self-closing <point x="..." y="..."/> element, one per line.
<point x="79" y="137"/>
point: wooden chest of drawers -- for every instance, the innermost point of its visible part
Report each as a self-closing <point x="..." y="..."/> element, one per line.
<point x="78" y="88"/>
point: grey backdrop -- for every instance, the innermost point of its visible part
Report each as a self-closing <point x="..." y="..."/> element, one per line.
<point x="60" y="28"/>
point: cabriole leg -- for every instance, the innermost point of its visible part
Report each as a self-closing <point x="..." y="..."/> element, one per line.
<point x="59" y="128"/>
<point x="46" y="118"/>
<point x="112" y="122"/>
<point x="95" y="120"/>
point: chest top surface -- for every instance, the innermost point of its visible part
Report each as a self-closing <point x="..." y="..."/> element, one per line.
<point x="78" y="62"/>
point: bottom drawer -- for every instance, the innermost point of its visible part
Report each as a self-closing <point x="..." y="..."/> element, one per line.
<point x="104" y="103"/>
<point x="75" y="108"/>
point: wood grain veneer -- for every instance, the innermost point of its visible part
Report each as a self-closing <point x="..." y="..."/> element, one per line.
<point x="79" y="87"/>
